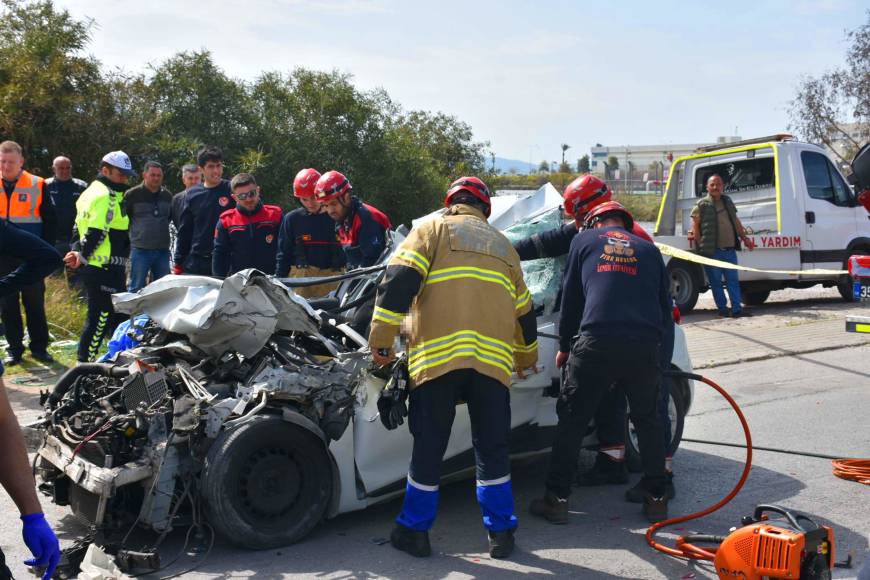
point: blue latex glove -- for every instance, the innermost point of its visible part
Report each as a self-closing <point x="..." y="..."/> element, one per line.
<point x="42" y="543"/>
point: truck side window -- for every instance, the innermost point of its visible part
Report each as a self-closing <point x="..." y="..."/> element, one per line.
<point x="823" y="181"/>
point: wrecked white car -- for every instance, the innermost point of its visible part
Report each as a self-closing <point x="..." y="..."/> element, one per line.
<point x="260" y="407"/>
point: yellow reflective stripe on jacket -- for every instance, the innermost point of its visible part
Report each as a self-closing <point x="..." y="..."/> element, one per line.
<point x="462" y="343"/>
<point x="523" y="299"/>
<point x="483" y="274"/>
<point x="415" y="259"/>
<point x="388" y="316"/>
<point x="461" y="347"/>
<point x="526" y="348"/>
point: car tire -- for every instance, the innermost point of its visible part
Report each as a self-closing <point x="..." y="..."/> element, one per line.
<point x="266" y="483"/>
<point x="755" y="297"/>
<point x="677" y="411"/>
<point x="684" y="285"/>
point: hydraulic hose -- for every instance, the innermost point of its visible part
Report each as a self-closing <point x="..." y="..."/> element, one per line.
<point x="683" y="547"/>
<point x="68" y="378"/>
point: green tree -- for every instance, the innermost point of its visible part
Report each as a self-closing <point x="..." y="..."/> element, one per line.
<point x="583" y="164"/>
<point x="824" y="105"/>
<point x="612" y="163"/>
<point x="544" y="166"/>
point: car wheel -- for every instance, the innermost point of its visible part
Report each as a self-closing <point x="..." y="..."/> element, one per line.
<point x="267" y="483"/>
<point x="684" y="285"/>
<point x="755" y="297"/>
<point x="677" y="414"/>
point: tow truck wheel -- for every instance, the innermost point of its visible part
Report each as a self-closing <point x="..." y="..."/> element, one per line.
<point x="266" y="484"/>
<point x="677" y="413"/>
<point x="684" y="287"/>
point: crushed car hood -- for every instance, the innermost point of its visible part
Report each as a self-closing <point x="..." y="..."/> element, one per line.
<point x="238" y="313"/>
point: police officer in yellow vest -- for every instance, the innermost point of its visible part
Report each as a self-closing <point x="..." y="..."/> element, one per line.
<point x="472" y="325"/>
<point x="102" y="246"/>
<point x="28" y="207"/>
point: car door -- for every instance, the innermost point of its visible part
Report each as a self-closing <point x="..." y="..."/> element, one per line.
<point x="830" y="217"/>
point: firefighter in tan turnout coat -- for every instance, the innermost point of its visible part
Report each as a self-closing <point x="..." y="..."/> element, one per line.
<point x="472" y="324"/>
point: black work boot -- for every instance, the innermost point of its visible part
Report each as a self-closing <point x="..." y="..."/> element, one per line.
<point x="550" y="507"/>
<point x="637" y="493"/>
<point x="411" y="541"/>
<point x="655" y="508"/>
<point x="605" y="471"/>
<point x="501" y="544"/>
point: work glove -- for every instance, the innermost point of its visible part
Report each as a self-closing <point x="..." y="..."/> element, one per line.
<point x="392" y="405"/>
<point x="42" y="543"/>
<point x="177" y="269"/>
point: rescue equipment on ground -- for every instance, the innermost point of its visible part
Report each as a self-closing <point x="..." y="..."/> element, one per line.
<point x="792" y="547"/>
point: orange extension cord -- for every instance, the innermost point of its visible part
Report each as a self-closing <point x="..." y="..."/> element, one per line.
<point x="853" y="469"/>
<point x="684" y="549"/>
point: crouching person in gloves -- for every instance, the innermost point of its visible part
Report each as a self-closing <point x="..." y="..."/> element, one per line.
<point x="616" y="291"/>
<point x="472" y="325"/>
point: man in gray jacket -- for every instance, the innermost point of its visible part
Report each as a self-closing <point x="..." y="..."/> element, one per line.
<point x="148" y="205"/>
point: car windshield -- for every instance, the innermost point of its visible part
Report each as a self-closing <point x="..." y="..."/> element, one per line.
<point x="544" y="276"/>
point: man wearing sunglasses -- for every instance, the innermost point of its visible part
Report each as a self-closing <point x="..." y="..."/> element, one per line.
<point x="247" y="235"/>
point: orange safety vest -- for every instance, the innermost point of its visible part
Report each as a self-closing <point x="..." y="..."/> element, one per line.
<point x="22" y="207"/>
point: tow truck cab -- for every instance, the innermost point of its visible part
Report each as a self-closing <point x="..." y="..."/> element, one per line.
<point x="797" y="207"/>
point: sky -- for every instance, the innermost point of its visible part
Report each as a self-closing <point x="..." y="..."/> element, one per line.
<point x="526" y="76"/>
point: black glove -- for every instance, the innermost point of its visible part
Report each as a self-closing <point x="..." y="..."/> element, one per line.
<point x="391" y="402"/>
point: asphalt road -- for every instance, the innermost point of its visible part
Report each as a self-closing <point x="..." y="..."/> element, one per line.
<point x="815" y="402"/>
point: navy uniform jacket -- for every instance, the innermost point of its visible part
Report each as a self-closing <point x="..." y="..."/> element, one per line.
<point x="200" y="211"/>
<point x="38" y="259"/>
<point x="246" y="240"/>
<point x="363" y="234"/>
<point x="617" y="284"/>
<point x="308" y="239"/>
<point x="64" y="195"/>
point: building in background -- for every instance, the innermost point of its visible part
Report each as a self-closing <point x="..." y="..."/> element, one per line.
<point x="844" y="144"/>
<point x="642" y="168"/>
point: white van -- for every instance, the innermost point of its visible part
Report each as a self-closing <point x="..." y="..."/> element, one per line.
<point x="794" y="202"/>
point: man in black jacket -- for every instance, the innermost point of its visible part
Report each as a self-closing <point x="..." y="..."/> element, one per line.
<point x="617" y="291"/>
<point x="200" y="211"/>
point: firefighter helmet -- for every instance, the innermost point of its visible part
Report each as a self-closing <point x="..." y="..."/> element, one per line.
<point x="475" y="187"/>
<point x="303" y="184"/>
<point x="608" y="210"/>
<point x="331" y="185"/>
<point x="584" y="193"/>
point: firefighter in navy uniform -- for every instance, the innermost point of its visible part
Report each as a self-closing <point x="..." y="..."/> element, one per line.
<point x="247" y="235"/>
<point x="617" y="291"/>
<point x="457" y="264"/>
<point x="580" y="197"/>
<point x="37" y="260"/>
<point x="307" y="243"/>
<point x="102" y="246"/>
<point x="361" y="228"/>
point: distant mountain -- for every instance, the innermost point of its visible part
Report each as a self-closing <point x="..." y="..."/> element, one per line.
<point x="505" y="165"/>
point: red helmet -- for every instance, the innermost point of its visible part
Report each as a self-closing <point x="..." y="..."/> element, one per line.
<point x="584" y="193"/>
<point x="475" y="187"/>
<point x="303" y="184"/>
<point x="331" y="184"/>
<point x="601" y="211"/>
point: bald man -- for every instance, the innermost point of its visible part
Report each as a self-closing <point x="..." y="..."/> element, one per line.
<point x="64" y="190"/>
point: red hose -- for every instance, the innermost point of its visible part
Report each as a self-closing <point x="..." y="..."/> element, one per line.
<point x="684" y="549"/>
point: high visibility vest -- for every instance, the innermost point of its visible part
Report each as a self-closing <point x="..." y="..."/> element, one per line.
<point x="22" y="207"/>
<point x="99" y="208"/>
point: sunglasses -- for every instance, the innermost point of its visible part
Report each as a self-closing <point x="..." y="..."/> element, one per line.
<point x="246" y="195"/>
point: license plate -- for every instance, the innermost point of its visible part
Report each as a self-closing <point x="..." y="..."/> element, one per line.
<point x="861" y="292"/>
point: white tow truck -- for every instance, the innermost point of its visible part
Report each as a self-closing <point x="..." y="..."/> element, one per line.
<point x="798" y="208"/>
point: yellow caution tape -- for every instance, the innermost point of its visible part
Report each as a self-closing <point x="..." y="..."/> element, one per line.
<point x="692" y="257"/>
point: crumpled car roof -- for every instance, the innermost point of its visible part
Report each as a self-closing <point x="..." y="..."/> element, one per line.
<point x="238" y="313"/>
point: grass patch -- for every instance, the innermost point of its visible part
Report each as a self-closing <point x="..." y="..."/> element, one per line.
<point x="65" y="313"/>
<point x="644" y="208"/>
